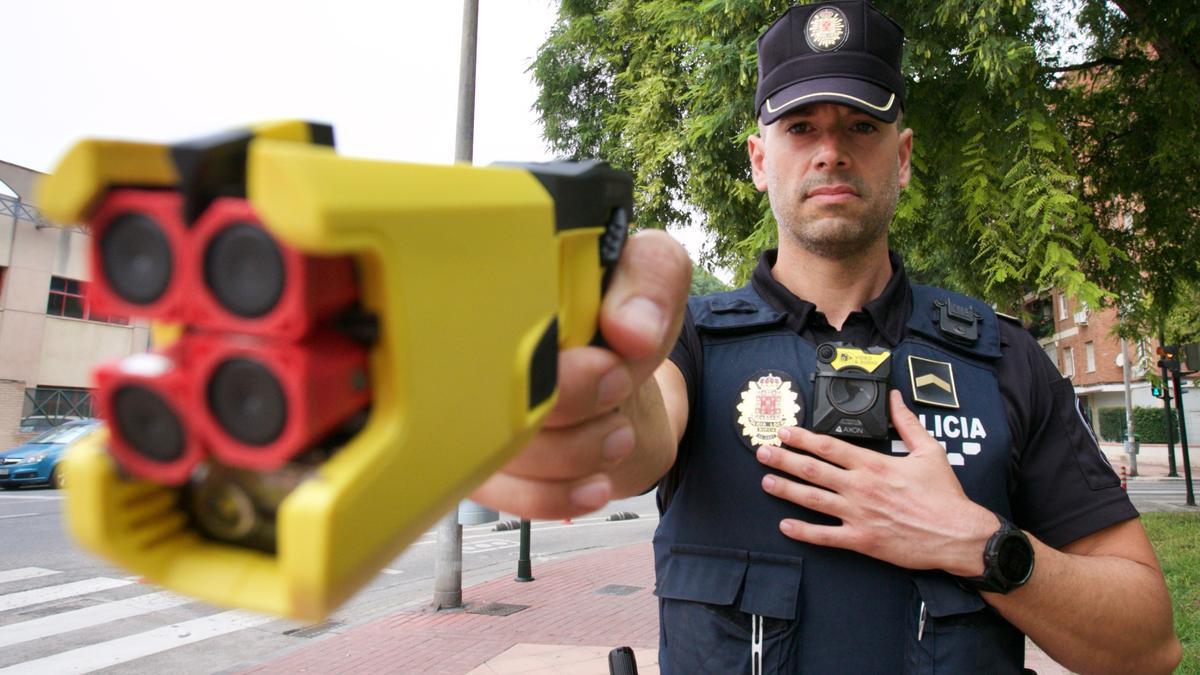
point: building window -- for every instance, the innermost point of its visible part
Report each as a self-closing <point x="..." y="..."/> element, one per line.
<point x="1062" y="306"/>
<point x="66" y="298"/>
<point x="69" y="298"/>
<point x="1090" y="353"/>
<point x="1068" y="365"/>
<point x="53" y="405"/>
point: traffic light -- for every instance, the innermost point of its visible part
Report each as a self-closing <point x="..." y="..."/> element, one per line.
<point x="1168" y="357"/>
<point x="1157" y="391"/>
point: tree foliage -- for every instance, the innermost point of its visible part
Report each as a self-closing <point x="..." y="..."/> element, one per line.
<point x="1035" y="126"/>
<point x="703" y="282"/>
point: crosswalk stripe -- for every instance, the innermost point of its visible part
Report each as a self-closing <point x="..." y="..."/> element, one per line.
<point x="49" y="593"/>
<point x="25" y="573"/>
<point x="76" y="619"/>
<point x="130" y="647"/>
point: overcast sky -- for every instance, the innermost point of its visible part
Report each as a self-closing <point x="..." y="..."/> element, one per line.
<point x="383" y="72"/>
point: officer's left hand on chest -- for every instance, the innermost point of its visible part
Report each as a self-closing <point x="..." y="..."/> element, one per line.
<point x="907" y="510"/>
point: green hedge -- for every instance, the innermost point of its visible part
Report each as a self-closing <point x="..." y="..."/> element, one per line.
<point x="1147" y="424"/>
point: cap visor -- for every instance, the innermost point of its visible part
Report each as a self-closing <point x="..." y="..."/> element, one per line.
<point x="860" y="94"/>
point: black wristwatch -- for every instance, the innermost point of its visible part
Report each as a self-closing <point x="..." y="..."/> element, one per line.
<point x="1007" y="561"/>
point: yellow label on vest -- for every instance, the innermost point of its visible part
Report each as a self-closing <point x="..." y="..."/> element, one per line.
<point x="848" y="357"/>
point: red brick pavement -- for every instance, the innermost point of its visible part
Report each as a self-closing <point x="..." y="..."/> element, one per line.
<point x="564" y="609"/>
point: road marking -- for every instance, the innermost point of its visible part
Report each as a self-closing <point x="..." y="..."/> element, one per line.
<point x="537" y="524"/>
<point x="53" y="498"/>
<point x="49" y="593"/>
<point x="488" y="545"/>
<point x="25" y="573"/>
<point x="77" y="619"/>
<point x="543" y="526"/>
<point x="391" y="572"/>
<point x="19" y="515"/>
<point x="122" y="650"/>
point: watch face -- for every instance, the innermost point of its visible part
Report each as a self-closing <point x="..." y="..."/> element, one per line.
<point x="1015" y="558"/>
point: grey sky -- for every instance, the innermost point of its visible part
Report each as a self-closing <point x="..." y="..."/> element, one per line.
<point x="384" y="73"/>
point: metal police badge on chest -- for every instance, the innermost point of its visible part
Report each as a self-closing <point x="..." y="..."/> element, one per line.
<point x="826" y="29"/>
<point x="932" y="382"/>
<point x="767" y="403"/>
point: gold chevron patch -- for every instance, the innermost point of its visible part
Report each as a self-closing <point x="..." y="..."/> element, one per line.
<point x="931" y="379"/>
<point x="932" y="382"/>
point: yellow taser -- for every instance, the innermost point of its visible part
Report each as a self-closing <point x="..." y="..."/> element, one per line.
<point x="475" y="279"/>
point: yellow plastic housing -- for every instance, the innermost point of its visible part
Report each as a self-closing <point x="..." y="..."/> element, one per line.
<point x="465" y="270"/>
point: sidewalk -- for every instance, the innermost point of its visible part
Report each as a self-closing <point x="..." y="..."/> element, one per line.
<point x="1152" y="462"/>
<point x="565" y="621"/>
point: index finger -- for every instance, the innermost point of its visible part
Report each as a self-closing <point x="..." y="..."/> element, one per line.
<point x="643" y="307"/>
<point x="828" y="448"/>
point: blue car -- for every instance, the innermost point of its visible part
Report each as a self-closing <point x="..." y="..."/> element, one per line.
<point x="36" y="461"/>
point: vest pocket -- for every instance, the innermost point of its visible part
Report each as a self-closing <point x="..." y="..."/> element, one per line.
<point x="952" y="630"/>
<point x="711" y="600"/>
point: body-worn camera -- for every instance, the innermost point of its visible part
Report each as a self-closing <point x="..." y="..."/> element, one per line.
<point x="850" y="393"/>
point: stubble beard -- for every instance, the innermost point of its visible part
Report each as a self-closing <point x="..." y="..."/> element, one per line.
<point x="830" y="234"/>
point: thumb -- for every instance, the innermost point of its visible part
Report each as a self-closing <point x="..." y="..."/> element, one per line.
<point x="911" y="431"/>
<point x="643" y="307"/>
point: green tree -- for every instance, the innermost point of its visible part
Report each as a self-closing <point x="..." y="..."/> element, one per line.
<point x="1033" y="128"/>
<point x="703" y="282"/>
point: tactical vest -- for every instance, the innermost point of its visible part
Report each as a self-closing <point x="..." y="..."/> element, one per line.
<point x="730" y="583"/>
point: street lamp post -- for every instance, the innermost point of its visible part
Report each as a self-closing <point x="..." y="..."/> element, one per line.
<point x="447" y="589"/>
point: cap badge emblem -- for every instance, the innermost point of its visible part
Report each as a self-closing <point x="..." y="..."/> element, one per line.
<point x="826" y="29"/>
<point x="767" y="403"/>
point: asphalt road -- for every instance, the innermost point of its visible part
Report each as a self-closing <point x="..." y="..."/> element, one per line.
<point x="63" y="611"/>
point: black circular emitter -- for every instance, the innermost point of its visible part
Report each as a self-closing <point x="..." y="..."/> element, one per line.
<point x="136" y="258"/>
<point x="148" y="424"/>
<point x="247" y="400"/>
<point x="243" y="268"/>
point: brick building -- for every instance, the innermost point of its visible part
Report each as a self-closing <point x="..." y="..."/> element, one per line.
<point x="1081" y="341"/>
<point x="49" y="336"/>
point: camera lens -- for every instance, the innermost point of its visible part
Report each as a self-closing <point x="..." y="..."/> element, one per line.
<point x="826" y="353"/>
<point x="136" y="257"/>
<point x="148" y="424"/>
<point x="243" y="268"/>
<point x="852" y="397"/>
<point x="247" y="401"/>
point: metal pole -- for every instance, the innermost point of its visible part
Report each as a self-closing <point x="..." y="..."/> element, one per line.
<point x="447" y="589"/>
<point x="524" y="571"/>
<point x="1166" y="387"/>
<point x="1130" y="448"/>
<point x="464" y="144"/>
<point x="1183" y="448"/>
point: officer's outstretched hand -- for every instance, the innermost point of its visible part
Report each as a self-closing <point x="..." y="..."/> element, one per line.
<point x="564" y="471"/>
<point x="908" y="510"/>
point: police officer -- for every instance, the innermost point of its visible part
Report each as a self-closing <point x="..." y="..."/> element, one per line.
<point x="985" y="514"/>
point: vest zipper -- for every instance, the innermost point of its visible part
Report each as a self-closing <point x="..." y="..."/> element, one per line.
<point x="921" y="622"/>
<point x="756" y="644"/>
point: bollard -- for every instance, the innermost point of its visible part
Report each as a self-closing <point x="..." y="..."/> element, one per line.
<point x="1124" y="479"/>
<point x="524" y="571"/>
